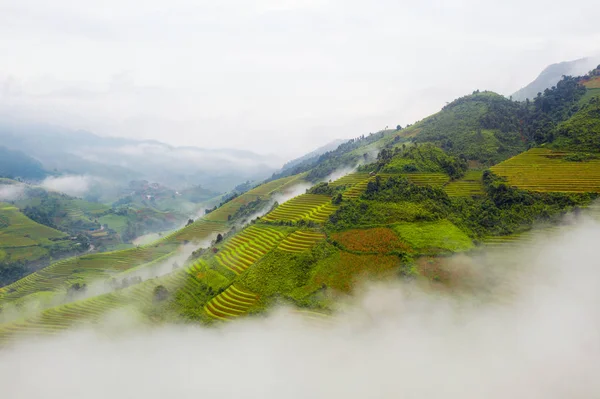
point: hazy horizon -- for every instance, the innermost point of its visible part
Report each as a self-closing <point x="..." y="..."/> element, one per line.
<point x="280" y="77"/>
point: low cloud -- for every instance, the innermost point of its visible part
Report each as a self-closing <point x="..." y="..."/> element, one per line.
<point x="73" y="185"/>
<point x="11" y="192"/>
<point x="528" y="327"/>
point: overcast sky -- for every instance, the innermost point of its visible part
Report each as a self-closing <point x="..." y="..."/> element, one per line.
<point x="272" y="76"/>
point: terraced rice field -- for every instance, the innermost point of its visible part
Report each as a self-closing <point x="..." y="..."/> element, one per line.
<point x="17" y="230"/>
<point x="593" y="83"/>
<point x="350" y="179"/>
<point x="420" y="179"/>
<point x="380" y="240"/>
<point x="276" y="185"/>
<point x="356" y="190"/>
<point x="541" y="169"/>
<point x="198" y="231"/>
<point x="87" y="268"/>
<point x="243" y="249"/>
<point x="470" y="185"/>
<point x="231" y="303"/>
<point x="306" y="206"/>
<point x="222" y="213"/>
<point x="92" y="310"/>
<point x="261" y="192"/>
<point x="54" y="320"/>
<point x="301" y="240"/>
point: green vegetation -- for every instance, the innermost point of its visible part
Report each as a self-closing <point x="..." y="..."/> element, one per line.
<point x="375" y="240"/>
<point x="541" y="169"/>
<point x="424" y="158"/>
<point x="242" y="250"/>
<point x="228" y="210"/>
<point x="311" y="207"/>
<point x="483" y="126"/>
<point x="582" y="131"/>
<point x="471" y="184"/>
<point x="25" y="244"/>
<point x="425" y="196"/>
<point x="300" y="240"/>
<point x="427" y="237"/>
<point x="231" y="303"/>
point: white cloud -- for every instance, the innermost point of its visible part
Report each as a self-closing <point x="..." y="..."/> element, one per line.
<point x="527" y="327"/>
<point x="74" y="185"/>
<point x="11" y="192"/>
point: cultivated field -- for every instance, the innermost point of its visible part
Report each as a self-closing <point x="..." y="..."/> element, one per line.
<point x="231" y="303"/>
<point x="433" y="237"/>
<point x="198" y="231"/>
<point x="541" y="169"/>
<point x="245" y="248"/>
<point x="470" y="185"/>
<point x="420" y="179"/>
<point x="350" y="179"/>
<point x="306" y="206"/>
<point x="23" y="239"/>
<point x="301" y="240"/>
<point x="92" y="311"/>
<point x="593" y="83"/>
<point x="263" y="191"/>
<point x="84" y="269"/>
<point x="375" y="240"/>
<point x="356" y="190"/>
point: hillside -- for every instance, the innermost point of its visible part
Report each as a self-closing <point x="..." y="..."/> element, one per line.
<point x="25" y="243"/>
<point x="480" y="173"/>
<point x="16" y="164"/>
<point x="94" y="226"/>
<point x="121" y="160"/>
<point x="552" y="74"/>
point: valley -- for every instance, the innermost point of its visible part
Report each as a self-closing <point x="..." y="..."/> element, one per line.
<point x="459" y="182"/>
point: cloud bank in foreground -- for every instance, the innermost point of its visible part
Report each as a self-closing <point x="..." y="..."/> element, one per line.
<point x="532" y="331"/>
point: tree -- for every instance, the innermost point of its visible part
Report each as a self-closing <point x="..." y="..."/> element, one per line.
<point x="219" y="238"/>
<point x="190" y="221"/>
<point x="160" y="293"/>
<point x="337" y="199"/>
<point x="398" y="127"/>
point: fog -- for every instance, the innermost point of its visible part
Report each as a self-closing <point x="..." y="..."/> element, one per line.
<point x="73" y="185"/>
<point x="523" y="325"/>
<point x="272" y="76"/>
<point x="11" y="192"/>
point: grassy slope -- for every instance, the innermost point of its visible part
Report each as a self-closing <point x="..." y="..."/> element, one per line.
<point x="22" y="239"/>
<point x="480" y="126"/>
<point x="541" y="169"/>
<point x="57" y="278"/>
<point x="273" y="260"/>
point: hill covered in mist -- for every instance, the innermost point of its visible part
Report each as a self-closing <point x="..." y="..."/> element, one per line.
<point x="446" y="237"/>
<point x="122" y="160"/>
<point x="552" y="74"/>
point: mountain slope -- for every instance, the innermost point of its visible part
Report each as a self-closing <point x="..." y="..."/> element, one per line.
<point x="25" y="243"/>
<point x="122" y="160"/>
<point x="552" y="74"/>
<point x="420" y="195"/>
<point x="15" y="164"/>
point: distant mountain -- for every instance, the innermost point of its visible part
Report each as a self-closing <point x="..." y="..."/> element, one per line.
<point x="122" y="160"/>
<point x="553" y="73"/>
<point x="314" y="154"/>
<point x="15" y="164"/>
